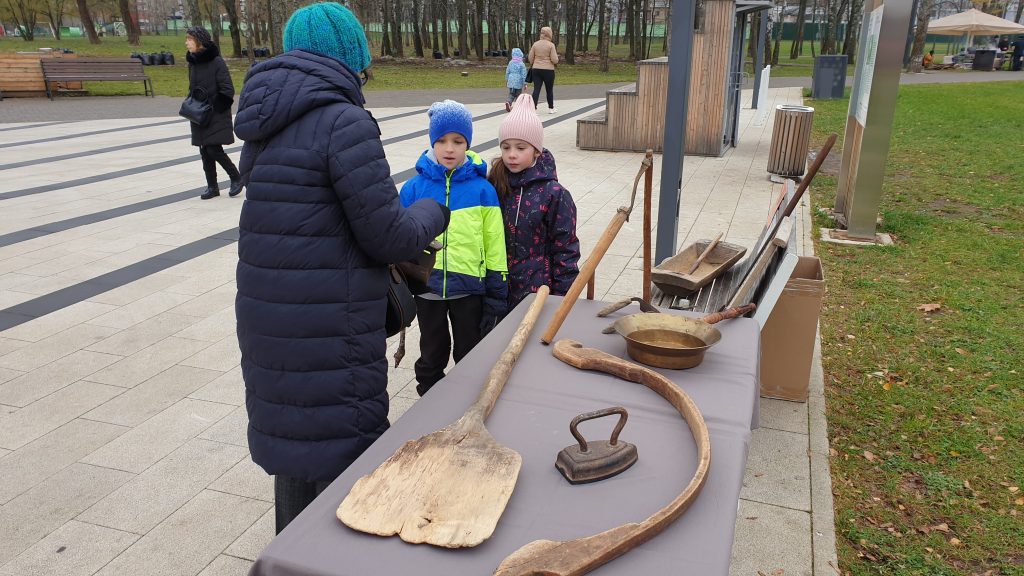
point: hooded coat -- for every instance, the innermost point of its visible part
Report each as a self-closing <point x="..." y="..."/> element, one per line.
<point x="540" y="232"/>
<point x="208" y="72"/>
<point x="320" y="221"/>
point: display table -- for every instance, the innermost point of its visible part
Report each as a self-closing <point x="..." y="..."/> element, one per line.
<point x="532" y="417"/>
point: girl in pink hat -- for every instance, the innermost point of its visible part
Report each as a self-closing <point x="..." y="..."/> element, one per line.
<point x="539" y="213"/>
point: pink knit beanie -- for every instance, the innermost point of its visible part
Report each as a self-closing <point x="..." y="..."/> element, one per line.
<point x="523" y="123"/>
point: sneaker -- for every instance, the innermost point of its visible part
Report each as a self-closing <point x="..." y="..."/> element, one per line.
<point x="211" y="192"/>
<point x="508" y="107"/>
<point x="236" y="188"/>
<point x="551" y="110"/>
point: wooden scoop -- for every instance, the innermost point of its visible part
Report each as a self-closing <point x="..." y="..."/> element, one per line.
<point x="448" y="488"/>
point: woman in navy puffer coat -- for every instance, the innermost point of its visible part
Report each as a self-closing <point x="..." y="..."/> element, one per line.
<point x="320" y="221"/>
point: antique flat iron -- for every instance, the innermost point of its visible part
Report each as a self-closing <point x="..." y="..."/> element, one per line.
<point x="593" y="461"/>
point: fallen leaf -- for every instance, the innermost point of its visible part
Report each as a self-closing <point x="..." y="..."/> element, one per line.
<point x="941" y="528"/>
<point x="1019" y="501"/>
<point x="870" y="457"/>
<point x="929" y="307"/>
<point x="991" y="387"/>
<point x="961" y="351"/>
<point x="1013" y="489"/>
<point x="887" y="386"/>
<point x="954" y="541"/>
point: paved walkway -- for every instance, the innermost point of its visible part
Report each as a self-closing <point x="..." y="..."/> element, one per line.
<point x="122" y="424"/>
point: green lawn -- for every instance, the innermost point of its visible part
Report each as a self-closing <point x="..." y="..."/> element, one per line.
<point x="418" y="74"/>
<point x="926" y="409"/>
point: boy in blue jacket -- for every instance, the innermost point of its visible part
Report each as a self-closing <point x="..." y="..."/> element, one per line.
<point x="468" y="285"/>
<point x="515" y="77"/>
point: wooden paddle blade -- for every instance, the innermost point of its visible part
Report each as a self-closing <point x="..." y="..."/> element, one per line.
<point x="448" y="488"/>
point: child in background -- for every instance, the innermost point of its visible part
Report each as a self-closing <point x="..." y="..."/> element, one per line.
<point x="515" y="77"/>
<point x="540" y="215"/>
<point x="468" y="284"/>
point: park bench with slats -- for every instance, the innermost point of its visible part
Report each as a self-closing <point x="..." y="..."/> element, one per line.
<point x="94" y="69"/>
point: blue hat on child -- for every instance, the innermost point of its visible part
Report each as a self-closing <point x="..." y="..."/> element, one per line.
<point x="329" y="29"/>
<point x="450" y="116"/>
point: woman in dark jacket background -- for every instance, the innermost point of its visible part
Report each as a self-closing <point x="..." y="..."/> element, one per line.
<point x="208" y="73"/>
<point x="320" y="221"/>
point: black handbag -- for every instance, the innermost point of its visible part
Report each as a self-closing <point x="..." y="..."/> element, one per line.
<point x="195" y="107"/>
<point x="529" y="75"/>
<point x="401" y="303"/>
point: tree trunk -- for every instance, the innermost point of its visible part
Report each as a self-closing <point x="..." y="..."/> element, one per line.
<point x="131" y="27"/>
<point x="798" y="39"/>
<point x="234" y="27"/>
<point x="528" y="30"/>
<point x="570" y="32"/>
<point x="417" y="37"/>
<point x="396" y="29"/>
<point x="87" y="23"/>
<point x="463" y="24"/>
<point x="215" y="27"/>
<point x="478" y="30"/>
<point x="55" y="16"/>
<point x="275" y="25"/>
<point x="604" y="41"/>
<point x="852" y="32"/>
<point x="924" y="12"/>
<point x="195" y="17"/>
<point x="445" y="36"/>
<point x="25" y="17"/>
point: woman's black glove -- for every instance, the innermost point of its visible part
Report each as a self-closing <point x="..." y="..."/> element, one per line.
<point x="447" y="214"/>
<point x="494" y="309"/>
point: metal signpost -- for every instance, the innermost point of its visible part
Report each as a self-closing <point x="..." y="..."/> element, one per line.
<point x="680" y="56"/>
<point x="869" y="120"/>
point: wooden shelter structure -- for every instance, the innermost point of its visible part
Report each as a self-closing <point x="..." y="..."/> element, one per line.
<point x="634" y="118"/>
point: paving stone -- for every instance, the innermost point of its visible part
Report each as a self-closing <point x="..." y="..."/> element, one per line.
<point x="210" y="303"/>
<point x="141" y="288"/>
<point x="255" y="539"/>
<point x="397" y="406"/>
<point x="52" y="503"/>
<point x="149" y="498"/>
<point x="51" y="412"/>
<point x="140" y="310"/>
<point x="212" y="329"/>
<point x="44" y="457"/>
<point x="246" y="479"/>
<point x="143" y="335"/>
<point x="8" y="345"/>
<point x="227" y="566"/>
<point x="222" y="356"/>
<point x="6" y="374"/>
<point x="777" y="470"/>
<point x="784" y="415"/>
<point x="772" y="540"/>
<point x="228" y="388"/>
<point x="189" y="539"/>
<point x="74" y="549"/>
<point x="58" y="321"/>
<point x="46" y="380"/>
<point x="36" y="354"/>
<point x="157" y="437"/>
<point x="153" y="396"/>
<point x="148" y="362"/>
<point x="231" y="429"/>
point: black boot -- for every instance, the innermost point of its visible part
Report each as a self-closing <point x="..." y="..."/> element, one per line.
<point x="211" y="192"/>
<point x="236" y="187"/>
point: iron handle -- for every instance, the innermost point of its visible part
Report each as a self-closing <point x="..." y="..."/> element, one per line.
<point x="623" y="415"/>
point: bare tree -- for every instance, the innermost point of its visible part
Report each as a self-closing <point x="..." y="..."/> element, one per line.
<point x="131" y="25"/>
<point x="478" y="29"/>
<point x="87" y="23"/>
<point x="604" y="40"/>
<point x="195" y="16"/>
<point x="25" y="17"/>
<point x="54" y="11"/>
<point x="924" y="14"/>
<point x="797" y="48"/>
<point x="276" y="15"/>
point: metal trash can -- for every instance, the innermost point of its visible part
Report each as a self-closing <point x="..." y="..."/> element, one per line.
<point x="829" y="79"/>
<point x="791" y="136"/>
<point x="984" y="60"/>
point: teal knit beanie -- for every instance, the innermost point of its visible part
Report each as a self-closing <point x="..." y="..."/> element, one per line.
<point x="329" y="29"/>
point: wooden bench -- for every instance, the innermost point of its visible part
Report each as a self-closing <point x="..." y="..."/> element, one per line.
<point x="95" y="69"/>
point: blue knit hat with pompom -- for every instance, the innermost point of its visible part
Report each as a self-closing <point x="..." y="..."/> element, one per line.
<point x="329" y="29"/>
<point x="450" y="116"/>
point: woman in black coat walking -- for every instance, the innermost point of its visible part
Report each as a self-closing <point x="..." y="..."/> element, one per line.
<point x="208" y="79"/>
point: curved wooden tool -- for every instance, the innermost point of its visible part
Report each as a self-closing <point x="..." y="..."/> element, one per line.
<point x="704" y="254"/>
<point x="577" y="557"/>
<point x="448" y="488"/>
<point x="588" y="267"/>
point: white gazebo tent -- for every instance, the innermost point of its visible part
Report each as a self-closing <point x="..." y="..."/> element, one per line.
<point x="973" y="23"/>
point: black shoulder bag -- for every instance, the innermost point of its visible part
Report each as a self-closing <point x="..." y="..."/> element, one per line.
<point x="401" y="309"/>
<point x="195" y="108"/>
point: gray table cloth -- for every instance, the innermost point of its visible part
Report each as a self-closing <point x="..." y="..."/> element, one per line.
<point x="532" y="417"/>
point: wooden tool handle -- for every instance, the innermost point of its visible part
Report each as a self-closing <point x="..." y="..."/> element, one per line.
<point x="586" y="271"/>
<point x="577" y="557"/>
<point x="730" y="313"/>
<point x="704" y="254"/>
<point x="499" y="374"/>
